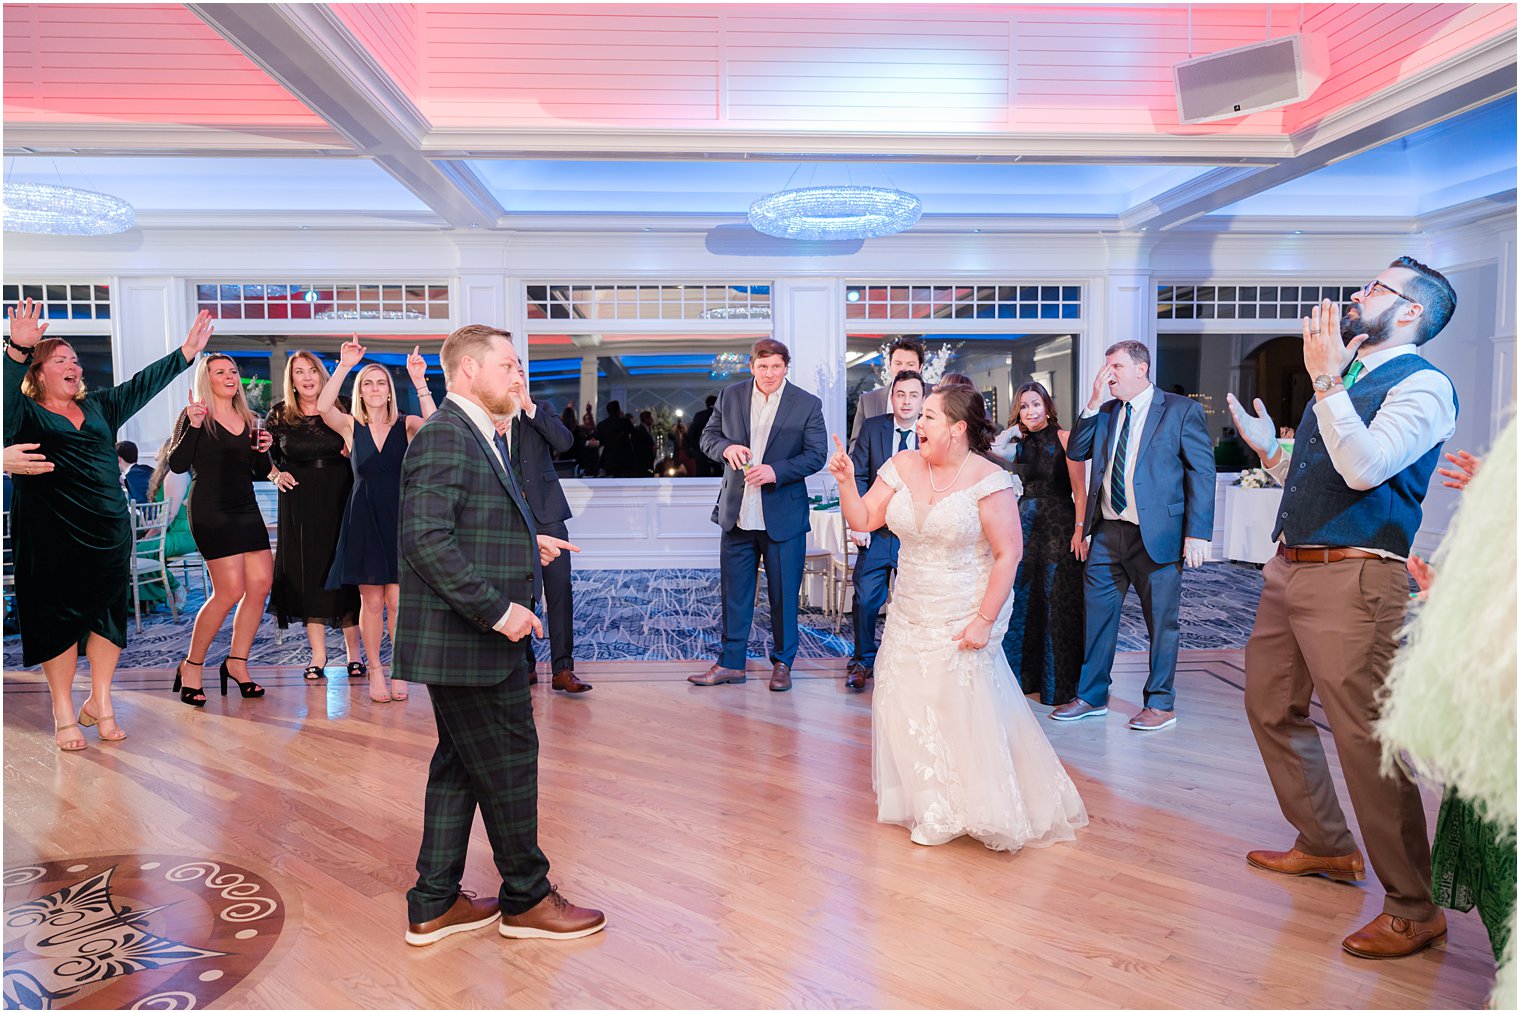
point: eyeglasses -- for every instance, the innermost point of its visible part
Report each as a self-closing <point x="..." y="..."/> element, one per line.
<point x="1369" y="289"/>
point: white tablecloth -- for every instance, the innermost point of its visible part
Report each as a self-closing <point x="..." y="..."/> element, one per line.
<point x="825" y="532"/>
<point x="1249" y="517"/>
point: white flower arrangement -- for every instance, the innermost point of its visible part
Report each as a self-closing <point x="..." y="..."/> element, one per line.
<point x="936" y="365"/>
<point x="1255" y="478"/>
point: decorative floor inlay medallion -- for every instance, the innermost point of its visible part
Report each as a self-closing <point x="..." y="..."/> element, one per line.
<point x="134" y="931"/>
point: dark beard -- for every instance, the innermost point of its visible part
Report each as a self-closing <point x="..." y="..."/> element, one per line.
<point x="1353" y="324"/>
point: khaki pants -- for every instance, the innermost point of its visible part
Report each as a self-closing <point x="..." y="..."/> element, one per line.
<point x="1331" y="629"/>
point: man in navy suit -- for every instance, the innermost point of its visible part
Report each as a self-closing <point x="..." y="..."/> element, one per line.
<point x="772" y="437"/>
<point x="880" y="438"/>
<point x="535" y="437"/>
<point x="1150" y="505"/>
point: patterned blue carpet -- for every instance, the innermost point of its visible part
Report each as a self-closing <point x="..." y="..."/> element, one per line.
<point x="673" y="615"/>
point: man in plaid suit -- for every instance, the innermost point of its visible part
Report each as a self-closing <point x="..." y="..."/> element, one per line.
<point x="470" y="579"/>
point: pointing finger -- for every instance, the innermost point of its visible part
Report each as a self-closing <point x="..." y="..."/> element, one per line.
<point x="838" y="444"/>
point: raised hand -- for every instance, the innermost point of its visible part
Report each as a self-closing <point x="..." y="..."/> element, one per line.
<point x="352" y="353"/>
<point x="27" y="325"/>
<point x="1325" y="354"/>
<point x="549" y="548"/>
<point x="736" y="455"/>
<point x="195" y="410"/>
<point x="19" y="460"/>
<point x="1100" y="386"/>
<point x="200" y="334"/>
<point x="416" y="368"/>
<point x="1466" y="467"/>
<point x="840" y="466"/>
<point x="1258" y="431"/>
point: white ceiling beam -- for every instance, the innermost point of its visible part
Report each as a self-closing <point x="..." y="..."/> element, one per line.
<point x="314" y="57"/>
<point x="1466" y="82"/>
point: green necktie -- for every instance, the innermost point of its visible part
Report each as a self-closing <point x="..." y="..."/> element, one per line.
<point x="1352" y="373"/>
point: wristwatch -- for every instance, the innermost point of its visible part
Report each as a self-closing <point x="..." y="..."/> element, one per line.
<point x="1325" y="381"/>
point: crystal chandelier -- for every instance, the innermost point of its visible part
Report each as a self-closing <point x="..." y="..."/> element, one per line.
<point x="64" y="211"/>
<point x="835" y="212"/>
<point x="725" y="364"/>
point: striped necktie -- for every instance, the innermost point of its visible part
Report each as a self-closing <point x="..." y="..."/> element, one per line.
<point x="1116" y="492"/>
<point x="1352" y="373"/>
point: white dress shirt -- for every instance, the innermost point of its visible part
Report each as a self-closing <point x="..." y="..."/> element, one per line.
<point x="482" y="420"/>
<point x="1418" y="412"/>
<point x="1140" y="407"/>
<point x="762" y="415"/>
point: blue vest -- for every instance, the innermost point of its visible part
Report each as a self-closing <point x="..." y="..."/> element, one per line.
<point x="1319" y="508"/>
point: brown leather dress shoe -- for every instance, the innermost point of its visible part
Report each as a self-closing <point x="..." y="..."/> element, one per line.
<point x="566" y="682"/>
<point x="554" y="917"/>
<point x="466" y="913"/>
<point x="1346" y="868"/>
<point x="781" y="678"/>
<point x="717" y="675"/>
<point x="533" y="678"/>
<point x="1076" y="710"/>
<point x="1388" y="936"/>
<point x="856" y="676"/>
<point x="1152" y="720"/>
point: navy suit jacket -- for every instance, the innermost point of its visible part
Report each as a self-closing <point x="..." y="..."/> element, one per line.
<point x="535" y="442"/>
<point x="798" y="447"/>
<point x="1173" y="484"/>
<point x="873" y="448"/>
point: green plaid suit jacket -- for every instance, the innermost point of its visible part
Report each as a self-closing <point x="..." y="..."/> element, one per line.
<point x="468" y="551"/>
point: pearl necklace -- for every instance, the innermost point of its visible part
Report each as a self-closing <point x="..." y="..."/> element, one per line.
<point x="957" y="477"/>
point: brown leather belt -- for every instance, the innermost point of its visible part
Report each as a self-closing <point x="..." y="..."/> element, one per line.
<point x="1329" y="554"/>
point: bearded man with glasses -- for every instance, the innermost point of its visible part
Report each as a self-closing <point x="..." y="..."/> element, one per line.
<point x="1334" y="597"/>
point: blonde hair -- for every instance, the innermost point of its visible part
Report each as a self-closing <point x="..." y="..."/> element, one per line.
<point x="288" y="387"/>
<point x="160" y="468"/>
<point x="202" y="387"/>
<point x="361" y="410"/>
<point x="31" y="384"/>
<point x="473" y="340"/>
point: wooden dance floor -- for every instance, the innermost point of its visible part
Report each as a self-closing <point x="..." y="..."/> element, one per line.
<point x="257" y="854"/>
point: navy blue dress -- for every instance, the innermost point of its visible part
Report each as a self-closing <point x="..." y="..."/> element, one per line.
<point x="368" y="542"/>
<point x="1045" y="635"/>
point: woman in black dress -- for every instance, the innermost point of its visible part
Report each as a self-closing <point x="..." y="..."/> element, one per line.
<point x="367" y="553"/>
<point x="1045" y="636"/>
<point x="72" y="536"/>
<point x="218" y="440"/>
<point x="314" y="480"/>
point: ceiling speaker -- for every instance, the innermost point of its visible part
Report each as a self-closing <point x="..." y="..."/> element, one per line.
<point x="1238" y="82"/>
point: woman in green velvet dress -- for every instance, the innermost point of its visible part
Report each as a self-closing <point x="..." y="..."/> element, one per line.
<point x="71" y="535"/>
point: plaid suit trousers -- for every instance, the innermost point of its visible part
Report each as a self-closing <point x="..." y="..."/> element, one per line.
<point x="487" y="756"/>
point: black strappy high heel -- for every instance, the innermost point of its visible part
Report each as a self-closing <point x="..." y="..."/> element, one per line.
<point x="248" y="689"/>
<point x="195" y="696"/>
<point x="357" y="670"/>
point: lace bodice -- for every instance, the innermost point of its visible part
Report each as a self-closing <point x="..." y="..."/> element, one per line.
<point x="944" y="559"/>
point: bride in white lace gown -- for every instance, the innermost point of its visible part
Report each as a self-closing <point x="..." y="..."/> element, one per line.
<point x="955" y="748"/>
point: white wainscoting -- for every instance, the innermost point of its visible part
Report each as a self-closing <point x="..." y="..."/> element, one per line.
<point x="643" y="523"/>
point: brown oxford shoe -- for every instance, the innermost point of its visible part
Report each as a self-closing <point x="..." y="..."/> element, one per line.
<point x="1076" y="710"/>
<point x="1346" y="868"/>
<point x="566" y="682"/>
<point x="781" y="678"/>
<point x="1388" y="936"/>
<point x="554" y="917"/>
<point x="466" y="913"/>
<point x="856" y="676"/>
<point x="717" y="675"/>
<point x="1152" y="720"/>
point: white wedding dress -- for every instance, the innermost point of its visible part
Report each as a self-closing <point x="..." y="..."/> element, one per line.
<point x="955" y="748"/>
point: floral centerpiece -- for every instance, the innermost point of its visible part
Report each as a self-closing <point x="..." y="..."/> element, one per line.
<point x="1255" y="478"/>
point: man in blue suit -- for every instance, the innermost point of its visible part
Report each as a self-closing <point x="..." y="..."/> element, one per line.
<point x="880" y="438"/>
<point x="771" y="435"/>
<point x="1150" y="505"/>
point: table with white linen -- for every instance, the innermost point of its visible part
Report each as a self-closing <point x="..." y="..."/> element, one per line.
<point x="1249" y="517"/>
<point x="825" y="534"/>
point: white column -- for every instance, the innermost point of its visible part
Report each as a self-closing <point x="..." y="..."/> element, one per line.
<point x="150" y="316"/>
<point x="1129" y="309"/>
<point x="808" y="317"/>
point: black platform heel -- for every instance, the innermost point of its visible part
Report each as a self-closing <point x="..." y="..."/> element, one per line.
<point x="195" y="696"/>
<point x="248" y="689"/>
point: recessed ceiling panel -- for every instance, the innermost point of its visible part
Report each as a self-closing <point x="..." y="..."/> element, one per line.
<point x="226" y="184"/>
<point x="728" y="188"/>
